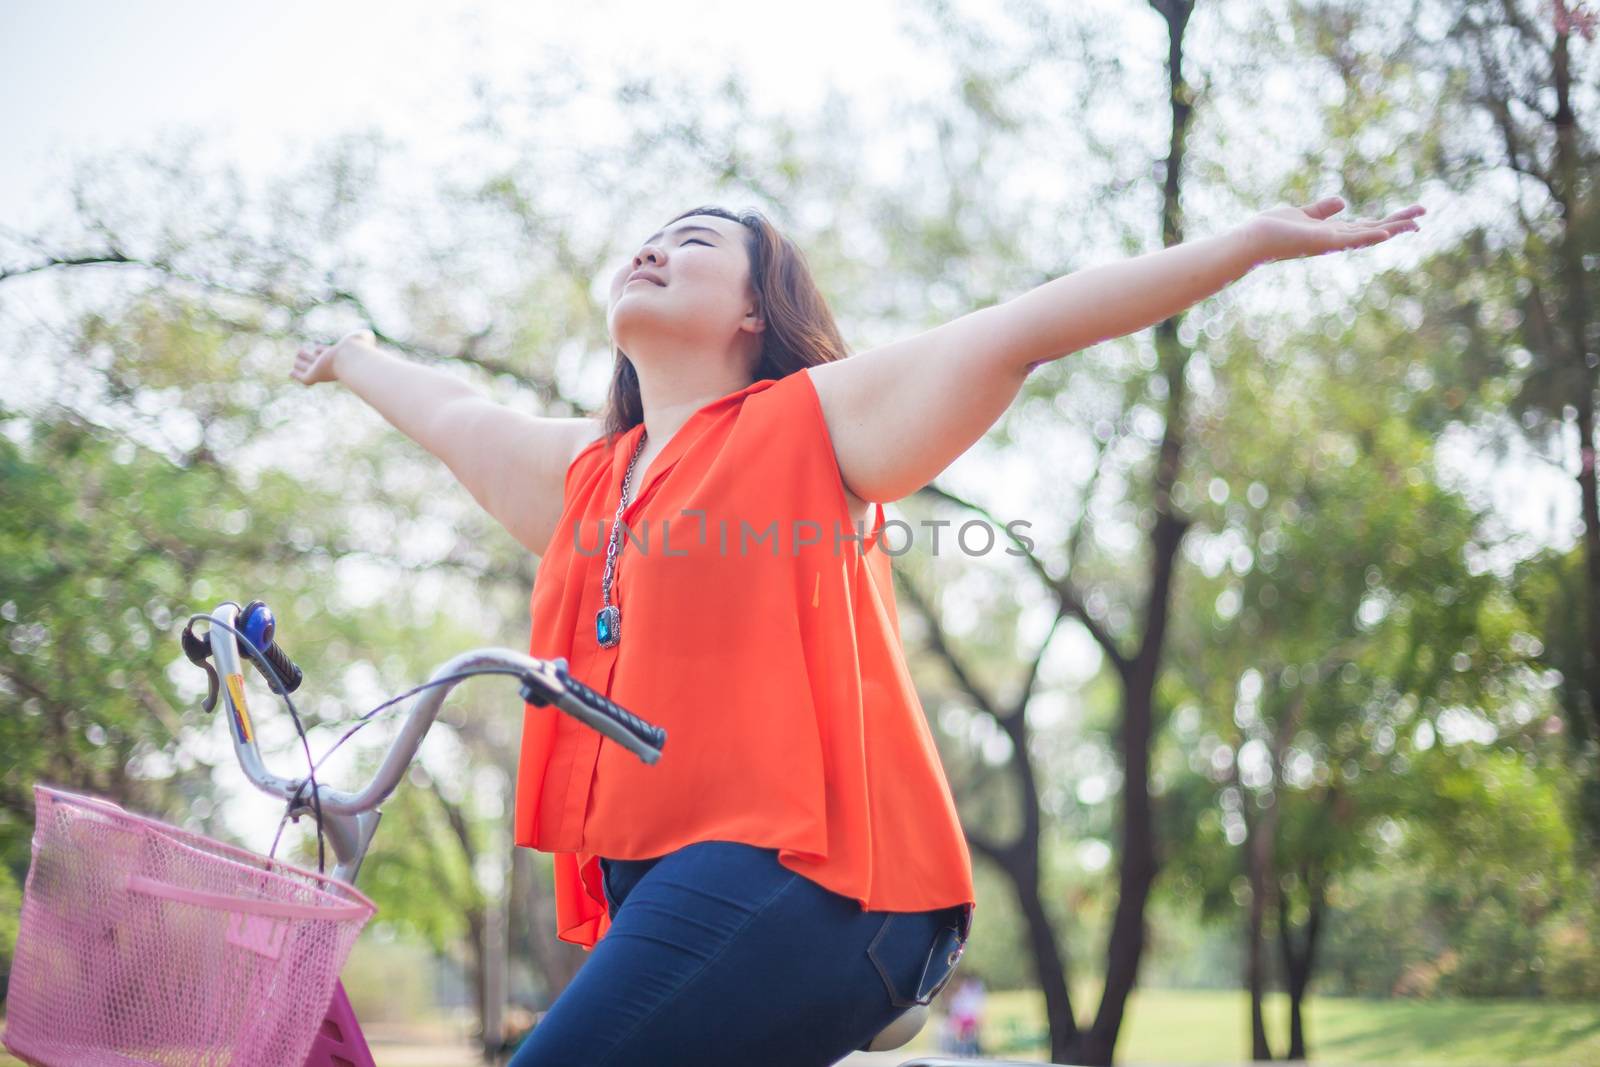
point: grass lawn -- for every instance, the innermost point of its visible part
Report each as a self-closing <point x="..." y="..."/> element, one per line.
<point x="1193" y="1027"/>
<point x="1171" y="1027"/>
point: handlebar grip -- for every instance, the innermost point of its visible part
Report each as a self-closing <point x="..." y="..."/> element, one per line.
<point x="654" y="736"/>
<point x="595" y="709"/>
<point x="287" y="669"/>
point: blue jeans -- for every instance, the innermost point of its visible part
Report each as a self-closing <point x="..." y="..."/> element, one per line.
<point x="717" y="954"/>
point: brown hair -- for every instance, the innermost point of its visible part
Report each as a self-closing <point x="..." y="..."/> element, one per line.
<point x="800" y="331"/>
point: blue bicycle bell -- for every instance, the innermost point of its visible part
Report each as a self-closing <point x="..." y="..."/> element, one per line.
<point x="258" y="625"/>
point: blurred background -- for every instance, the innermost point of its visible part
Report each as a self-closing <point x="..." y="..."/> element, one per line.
<point x="1281" y="741"/>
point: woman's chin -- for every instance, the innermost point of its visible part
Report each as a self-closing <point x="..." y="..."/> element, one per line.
<point x="645" y="316"/>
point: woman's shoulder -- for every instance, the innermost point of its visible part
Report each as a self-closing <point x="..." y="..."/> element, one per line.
<point x="587" y="434"/>
<point x="589" y="443"/>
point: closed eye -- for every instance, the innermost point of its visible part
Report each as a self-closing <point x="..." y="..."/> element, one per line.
<point x="697" y="241"/>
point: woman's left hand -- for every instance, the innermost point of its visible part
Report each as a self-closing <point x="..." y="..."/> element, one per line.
<point x="1293" y="232"/>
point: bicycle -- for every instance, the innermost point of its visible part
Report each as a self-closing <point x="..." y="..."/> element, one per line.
<point x="346" y="820"/>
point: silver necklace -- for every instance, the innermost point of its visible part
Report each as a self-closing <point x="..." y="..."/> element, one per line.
<point x="608" y="620"/>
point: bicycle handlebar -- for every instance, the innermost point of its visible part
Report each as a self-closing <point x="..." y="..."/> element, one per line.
<point x="543" y="682"/>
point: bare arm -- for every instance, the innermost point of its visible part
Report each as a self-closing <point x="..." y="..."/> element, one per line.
<point x="901" y="413"/>
<point x="513" y="464"/>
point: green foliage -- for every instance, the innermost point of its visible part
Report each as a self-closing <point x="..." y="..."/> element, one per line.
<point x="1494" y="318"/>
<point x="1548" y="588"/>
<point x="417" y="873"/>
<point x="10" y="918"/>
<point x="1347" y="664"/>
<point x="107" y="545"/>
<point x="102" y="548"/>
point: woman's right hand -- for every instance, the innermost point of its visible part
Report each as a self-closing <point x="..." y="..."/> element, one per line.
<point x="318" y="363"/>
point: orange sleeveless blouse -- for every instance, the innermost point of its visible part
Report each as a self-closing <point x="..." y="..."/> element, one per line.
<point x="759" y="629"/>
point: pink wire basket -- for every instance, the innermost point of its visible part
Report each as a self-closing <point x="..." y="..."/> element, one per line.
<point x="142" y="943"/>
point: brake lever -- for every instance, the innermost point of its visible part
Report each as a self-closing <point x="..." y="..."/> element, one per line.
<point x="198" y="649"/>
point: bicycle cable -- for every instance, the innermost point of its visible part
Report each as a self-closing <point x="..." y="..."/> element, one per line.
<point x="266" y="668"/>
<point x="365" y="719"/>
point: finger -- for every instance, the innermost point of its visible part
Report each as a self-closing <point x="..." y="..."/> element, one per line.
<point x="1378" y="224"/>
<point x="1405" y="214"/>
<point x="1328" y="205"/>
<point x="1388" y="229"/>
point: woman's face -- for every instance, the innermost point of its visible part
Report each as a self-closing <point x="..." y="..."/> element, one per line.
<point x="696" y="282"/>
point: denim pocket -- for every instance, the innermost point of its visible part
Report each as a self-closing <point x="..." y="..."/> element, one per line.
<point x="914" y="967"/>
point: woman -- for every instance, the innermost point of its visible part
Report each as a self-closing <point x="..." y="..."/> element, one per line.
<point x="791" y="876"/>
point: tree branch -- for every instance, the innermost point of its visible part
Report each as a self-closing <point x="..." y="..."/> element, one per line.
<point x="87" y="260"/>
<point x="469" y="354"/>
<point x="1020" y="707"/>
<point x="1066" y="594"/>
<point x="989" y="849"/>
<point x="936" y="639"/>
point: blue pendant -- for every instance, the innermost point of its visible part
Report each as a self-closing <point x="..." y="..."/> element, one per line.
<point x="608" y="625"/>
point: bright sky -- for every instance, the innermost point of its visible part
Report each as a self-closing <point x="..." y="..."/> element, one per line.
<point x="261" y="81"/>
<point x="100" y="75"/>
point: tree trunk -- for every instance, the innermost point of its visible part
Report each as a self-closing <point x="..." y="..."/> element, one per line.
<point x="1049" y="967"/>
<point x="1258" y="864"/>
<point x="1591" y="552"/>
<point x="1570" y="195"/>
<point x="1139" y="863"/>
<point x="474" y="966"/>
<point x="477" y="920"/>
<point x="1299" y="963"/>
<point x="1261" y="870"/>
<point x="1138" y="870"/>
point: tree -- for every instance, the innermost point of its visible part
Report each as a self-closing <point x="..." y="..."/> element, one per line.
<point x="1128" y="617"/>
<point x="172" y="467"/>
<point x="1337" y="619"/>
<point x="1511" y="307"/>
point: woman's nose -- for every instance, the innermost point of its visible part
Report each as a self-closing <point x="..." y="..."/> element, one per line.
<point x="648" y="254"/>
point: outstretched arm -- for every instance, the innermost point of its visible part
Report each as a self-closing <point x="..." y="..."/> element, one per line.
<point x="899" y="414"/>
<point x="513" y="464"/>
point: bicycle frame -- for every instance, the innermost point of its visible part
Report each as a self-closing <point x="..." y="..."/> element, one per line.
<point x="349" y="820"/>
